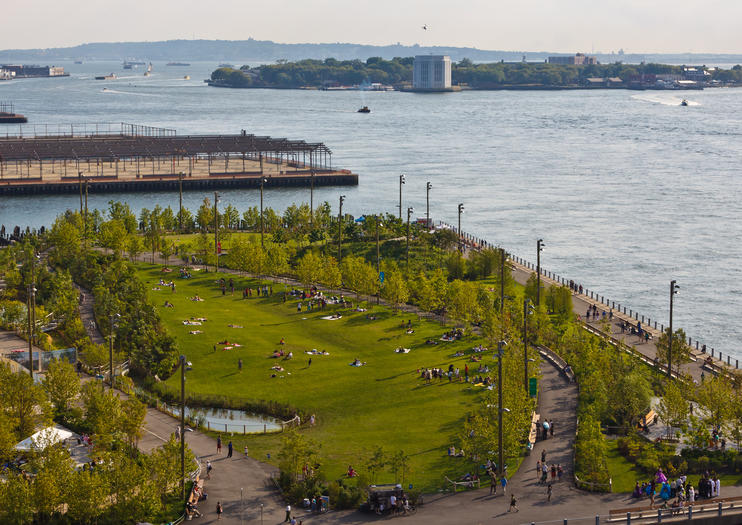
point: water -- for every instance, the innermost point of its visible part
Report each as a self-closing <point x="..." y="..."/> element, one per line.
<point x="228" y="420"/>
<point x="628" y="189"/>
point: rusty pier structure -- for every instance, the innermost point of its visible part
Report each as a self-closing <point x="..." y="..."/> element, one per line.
<point x="130" y="158"/>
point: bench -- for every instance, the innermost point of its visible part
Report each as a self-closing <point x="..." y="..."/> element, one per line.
<point x="532" y="435"/>
<point x="649" y="418"/>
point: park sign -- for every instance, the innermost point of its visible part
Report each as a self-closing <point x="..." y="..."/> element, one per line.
<point x="532" y="386"/>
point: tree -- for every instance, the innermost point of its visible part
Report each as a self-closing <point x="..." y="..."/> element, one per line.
<point x="296" y="451"/>
<point x="131" y="421"/>
<point x="673" y="407"/>
<point x="134" y="246"/>
<point x="61" y="384"/>
<point x="331" y="276"/>
<point x="400" y="466"/>
<point x="716" y="396"/>
<point x="358" y="275"/>
<point x="121" y="211"/>
<point x="680" y="348"/>
<point x="102" y="412"/>
<point x="23" y="401"/>
<point x="395" y="288"/>
<point x="205" y="215"/>
<point x="112" y="235"/>
<point x="376" y="463"/>
<point x="631" y="397"/>
<point x="309" y="269"/>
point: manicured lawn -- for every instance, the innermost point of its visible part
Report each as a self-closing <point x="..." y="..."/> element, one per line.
<point x="357" y="408"/>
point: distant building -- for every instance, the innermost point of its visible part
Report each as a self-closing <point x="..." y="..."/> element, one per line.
<point x="6" y="75"/>
<point x="26" y="71"/>
<point x="431" y="73"/>
<point x="697" y="74"/>
<point x="579" y="59"/>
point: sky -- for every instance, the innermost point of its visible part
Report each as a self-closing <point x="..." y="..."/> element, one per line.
<point x="637" y="26"/>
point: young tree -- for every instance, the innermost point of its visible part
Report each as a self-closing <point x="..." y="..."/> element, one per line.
<point x="131" y="421"/>
<point x="716" y="396"/>
<point x="23" y="401"/>
<point x="395" y="289"/>
<point x="61" y="384"/>
<point x="309" y="269"/>
<point x="680" y="348"/>
<point x="376" y="463"/>
<point x="296" y="451"/>
<point x="205" y="215"/>
<point x="673" y="407"/>
<point x="134" y="246"/>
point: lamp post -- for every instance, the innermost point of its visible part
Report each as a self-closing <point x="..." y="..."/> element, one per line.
<point x="461" y="210"/>
<point x="86" y="213"/>
<point x="539" y="247"/>
<point x="500" y="409"/>
<point x="401" y="181"/>
<point x="111" y="320"/>
<point x="673" y="290"/>
<point x="216" y="231"/>
<point x="182" y="427"/>
<point x="180" y="201"/>
<point x="428" y="186"/>
<point x="527" y="309"/>
<point x="340" y="229"/>
<point x="409" y="212"/>
<point x="31" y="322"/>
<point x="79" y="178"/>
<point x="311" y="201"/>
<point x="263" y="180"/>
<point x="378" y="258"/>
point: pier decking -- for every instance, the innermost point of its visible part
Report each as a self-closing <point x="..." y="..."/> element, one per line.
<point x="139" y="158"/>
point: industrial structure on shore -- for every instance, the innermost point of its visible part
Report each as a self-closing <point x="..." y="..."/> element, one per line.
<point x="129" y="157"/>
<point x="431" y="73"/>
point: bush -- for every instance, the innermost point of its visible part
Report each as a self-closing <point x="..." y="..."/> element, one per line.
<point x="344" y="496"/>
<point x="703" y="463"/>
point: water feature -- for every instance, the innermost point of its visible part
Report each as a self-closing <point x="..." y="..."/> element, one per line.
<point x="228" y="420"/>
<point x="628" y="190"/>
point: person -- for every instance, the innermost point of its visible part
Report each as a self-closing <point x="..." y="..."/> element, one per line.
<point x="548" y="492"/>
<point x="312" y="419"/>
<point x="717" y="485"/>
<point x="219" y="444"/>
<point x="392" y="502"/>
<point x="551" y="428"/>
<point x="229" y="449"/>
<point x="560" y="472"/>
<point x="493" y="481"/>
<point x="513" y="504"/>
<point x="177" y="432"/>
<point x="245" y="451"/>
<point x="219" y="510"/>
<point x="543" y="456"/>
<point x="538" y="469"/>
<point x="288" y="514"/>
<point x="309" y="363"/>
<point x="504" y="483"/>
<point x="208" y="469"/>
<point x="239" y="365"/>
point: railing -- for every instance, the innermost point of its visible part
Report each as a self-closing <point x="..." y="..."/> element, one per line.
<point x="85" y="130"/>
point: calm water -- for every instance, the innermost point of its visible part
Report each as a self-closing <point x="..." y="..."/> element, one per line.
<point x="627" y="189"/>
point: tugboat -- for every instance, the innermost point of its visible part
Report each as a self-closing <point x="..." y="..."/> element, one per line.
<point x="364" y="109"/>
<point x="8" y="116"/>
<point x="112" y="76"/>
<point x="684" y="102"/>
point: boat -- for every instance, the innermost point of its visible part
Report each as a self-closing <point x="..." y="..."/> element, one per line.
<point x="128" y="65"/>
<point x="364" y="109"/>
<point x="112" y="76"/>
<point x="8" y="115"/>
<point x="78" y="61"/>
<point x="684" y="102"/>
<point x="149" y="70"/>
<point x="177" y="64"/>
<point x="187" y="77"/>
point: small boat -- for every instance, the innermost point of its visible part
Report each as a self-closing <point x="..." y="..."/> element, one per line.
<point x="149" y="70"/>
<point x="684" y="102"/>
<point x="364" y="109"/>
<point x="112" y="76"/>
<point x="187" y="77"/>
<point x="78" y="61"/>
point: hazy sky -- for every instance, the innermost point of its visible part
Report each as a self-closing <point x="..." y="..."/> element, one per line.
<point x="519" y="25"/>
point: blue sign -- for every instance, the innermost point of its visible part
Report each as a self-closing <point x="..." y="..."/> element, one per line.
<point x="381" y="277"/>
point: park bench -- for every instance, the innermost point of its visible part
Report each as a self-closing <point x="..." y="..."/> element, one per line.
<point x="649" y="418"/>
<point x="533" y="434"/>
<point x="466" y="484"/>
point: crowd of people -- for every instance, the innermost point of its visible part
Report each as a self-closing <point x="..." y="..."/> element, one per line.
<point x="677" y="493"/>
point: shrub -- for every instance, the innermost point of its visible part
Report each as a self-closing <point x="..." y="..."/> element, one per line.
<point x="703" y="463"/>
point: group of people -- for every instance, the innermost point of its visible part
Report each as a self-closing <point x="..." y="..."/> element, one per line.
<point x="679" y="491"/>
<point x="596" y="314"/>
<point x="452" y="374"/>
<point x="544" y="429"/>
<point x="543" y="470"/>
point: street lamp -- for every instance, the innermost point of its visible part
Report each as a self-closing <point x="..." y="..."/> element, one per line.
<point x="673" y="290"/>
<point x="539" y="247"/>
<point x="409" y="212"/>
<point x="263" y="180"/>
<point x="527" y="310"/>
<point x="500" y="458"/>
<point x="31" y="323"/>
<point x="111" y="320"/>
<point x="461" y="210"/>
<point x="216" y="230"/>
<point x="180" y="202"/>
<point x="378" y="258"/>
<point x="340" y="229"/>
<point x="401" y="181"/>
<point x="428" y="186"/>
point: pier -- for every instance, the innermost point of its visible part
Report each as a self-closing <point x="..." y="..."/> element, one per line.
<point x="130" y="158"/>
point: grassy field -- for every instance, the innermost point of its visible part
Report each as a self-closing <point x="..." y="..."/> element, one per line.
<point x="357" y="408"/>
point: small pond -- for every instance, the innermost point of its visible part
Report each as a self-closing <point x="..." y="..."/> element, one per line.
<point x="228" y="420"/>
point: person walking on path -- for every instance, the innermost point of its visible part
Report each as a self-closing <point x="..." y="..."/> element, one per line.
<point x="219" y="444"/>
<point x="551" y="428"/>
<point x="288" y="514"/>
<point x="513" y="504"/>
<point x="246" y="452"/>
<point x="504" y="483"/>
<point x="543" y="456"/>
<point x="239" y="365"/>
<point x="548" y="492"/>
<point x="219" y="510"/>
<point x="208" y="469"/>
<point x="493" y="482"/>
<point x="538" y="469"/>
<point x="229" y="449"/>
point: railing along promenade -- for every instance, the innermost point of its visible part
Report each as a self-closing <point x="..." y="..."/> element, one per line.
<point x="721" y="363"/>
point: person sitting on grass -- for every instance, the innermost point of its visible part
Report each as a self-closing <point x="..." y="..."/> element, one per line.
<point x="351" y="472"/>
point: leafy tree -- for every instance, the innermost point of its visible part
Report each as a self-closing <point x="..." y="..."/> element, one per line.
<point x="376" y="463"/>
<point x="296" y="451"/>
<point x="330" y="276"/>
<point x="133" y="246"/>
<point x="23" y="401"/>
<point x="62" y="385"/>
<point x="680" y="348"/>
<point x="121" y="211"/>
<point x="673" y="407"/>
<point x="395" y="288"/>
<point x="309" y="269"/>
<point x="131" y="422"/>
<point x="716" y="396"/>
<point x="205" y="215"/>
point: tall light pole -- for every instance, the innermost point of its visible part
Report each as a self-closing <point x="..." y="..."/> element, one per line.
<point x="428" y="186"/>
<point x="340" y="229"/>
<point x="378" y="260"/>
<point x="182" y="427"/>
<point x="311" y="202"/>
<point x="263" y="180"/>
<point x="401" y="181"/>
<point x="79" y="178"/>
<point x="539" y="248"/>
<point x="500" y="410"/>
<point x="673" y="290"/>
<point x="409" y="212"/>
<point x="31" y="322"/>
<point x="461" y="210"/>
<point x="180" y="201"/>
<point x="527" y="309"/>
<point x="216" y="231"/>
<point x="111" y="319"/>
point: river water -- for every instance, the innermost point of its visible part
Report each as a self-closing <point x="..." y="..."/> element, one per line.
<point x="628" y="189"/>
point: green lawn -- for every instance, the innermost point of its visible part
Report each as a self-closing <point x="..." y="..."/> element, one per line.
<point x="357" y="408"/>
